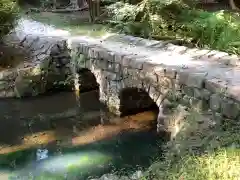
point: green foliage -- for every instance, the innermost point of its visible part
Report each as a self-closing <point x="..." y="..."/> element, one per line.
<point x="8" y="14"/>
<point x="174" y="19"/>
<point x="223" y="164"/>
<point x="218" y="30"/>
<point x="201" y="151"/>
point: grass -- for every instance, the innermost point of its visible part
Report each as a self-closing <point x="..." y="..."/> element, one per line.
<point x="223" y="165"/>
<point x="75" y="23"/>
<point x="204" y="149"/>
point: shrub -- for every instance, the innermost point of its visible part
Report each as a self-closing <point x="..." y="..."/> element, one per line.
<point x="8" y="15"/>
<point x="206" y="150"/>
<point x="178" y="19"/>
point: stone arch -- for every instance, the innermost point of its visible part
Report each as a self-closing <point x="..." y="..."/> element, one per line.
<point x="134" y="100"/>
<point x="88" y="95"/>
<point x="86" y="80"/>
<point x="119" y="89"/>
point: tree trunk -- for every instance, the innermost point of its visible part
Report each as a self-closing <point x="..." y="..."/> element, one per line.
<point x="94" y="9"/>
<point x="235" y="5"/>
<point x="82" y="3"/>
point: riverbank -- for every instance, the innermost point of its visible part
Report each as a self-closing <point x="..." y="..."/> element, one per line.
<point x="201" y="151"/>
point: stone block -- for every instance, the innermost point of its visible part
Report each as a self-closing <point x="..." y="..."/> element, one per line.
<point x="229" y="108"/>
<point x="189" y="91"/>
<point x="233" y="91"/>
<point x="28" y="41"/>
<point x="133" y="61"/>
<point x="199" y="104"/>
<point x="118" y="68"/>
<point x="166" y="82"/>
<point x="196" y="80"/>
<point x="107" y="55"/>
<point x="111" y="76"/>
<point x="170" y="73"/>
<point x="110" y="66"/>
<point x="147" y="66"/>
<point x="119" y="57"/>
<point x="201" y="94"/>
<point x="215" y="102"/>
<point x="84" y="48"/>
<point x="216" y="85"/>
<point x="3" y="85"/>
<point x="150" y="77"/>
<point x="8" y="75"/>
<point x="183" y="77"/>
<point x="10" y="93"/>
<point x="102" y="64"/>
<point x="132" y="81"/>
<point x="29" y="85"/>
<point x="217" y="117"/>
<point x="131" y="78"/>
<point x="93" y="53"/>
<point x="154" y="93"/>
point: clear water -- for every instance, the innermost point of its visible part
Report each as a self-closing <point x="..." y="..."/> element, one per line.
<point x="71" y="147"/>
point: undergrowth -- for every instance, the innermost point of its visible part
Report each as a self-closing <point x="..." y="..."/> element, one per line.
<point x="8" y="15"/>
<point x="205" y="149"/>
<point x="175" y="19"/>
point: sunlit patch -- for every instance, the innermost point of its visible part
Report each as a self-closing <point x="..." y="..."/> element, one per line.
<point x="67" y="162"/>
<point x="5" y="175"/>
<point x="41" y="154"/>
<point x="58" y="167"/>
<point x="147" y="116"/>
<point x="139" y="122"/>
<point x="36" y="28"/>
<point x="39" y="138"/>
<point x="30" y="141"/>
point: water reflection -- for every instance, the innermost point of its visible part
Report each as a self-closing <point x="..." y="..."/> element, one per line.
<point x="78" y="147"/>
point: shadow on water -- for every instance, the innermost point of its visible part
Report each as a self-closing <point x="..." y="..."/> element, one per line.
<point x="77" y="148"/>
<point x="134" y="100"/>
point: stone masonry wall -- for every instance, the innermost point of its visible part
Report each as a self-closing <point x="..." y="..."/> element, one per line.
<point x="203" y="80"/>
<point x="46" y="66"/>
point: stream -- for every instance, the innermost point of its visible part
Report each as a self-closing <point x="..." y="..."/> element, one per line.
<point x="72" y="147"/>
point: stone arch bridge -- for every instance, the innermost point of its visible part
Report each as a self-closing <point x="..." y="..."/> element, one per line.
<point x="135" y="74"/>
